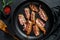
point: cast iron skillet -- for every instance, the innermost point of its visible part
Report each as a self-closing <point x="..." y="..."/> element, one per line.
<point x="18" y="28"/>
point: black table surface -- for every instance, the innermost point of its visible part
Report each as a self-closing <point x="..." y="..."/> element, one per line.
<point x="51" y="4"/>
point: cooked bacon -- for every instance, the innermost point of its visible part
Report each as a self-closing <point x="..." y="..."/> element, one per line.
<point x="41" y="25"/>
<point x="36" y="30"/>
<point x="21" y="18"/>
<point x="33" y="7"/>
<point x="28" y="27"/>
<point x="33" y="17"/>
<point x="27" y="13"/>
<point x="42" y="14"/>
<point x="40" y="22"/>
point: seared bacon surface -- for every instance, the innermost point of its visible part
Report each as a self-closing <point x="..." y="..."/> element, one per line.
<point x="43" y="14"/>
<point x="36" y="30"/>
<point x="22" y="20"/>
<point x="33" y="17"/>
<point x="28" y="27"/>
<point x="33" y="7"/>
<point x="40" y="22"/>
<point x="27" y="13"/>
<point x="41" y="25"/>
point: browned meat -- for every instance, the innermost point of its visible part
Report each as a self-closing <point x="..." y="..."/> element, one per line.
<point x="27" y="13"/>
<point x="42" y="14"/>
<point x="36" y="30"/>
<point x="40" y="22"/>
<point x="28" y="27"/>
<point x="33" y="17"/>
<point x="33" y="7"/>
<point x="41" y="25"/>
<point x="21" y="19"/>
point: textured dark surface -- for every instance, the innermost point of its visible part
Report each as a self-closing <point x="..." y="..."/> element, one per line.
<point x="51" y="4"/>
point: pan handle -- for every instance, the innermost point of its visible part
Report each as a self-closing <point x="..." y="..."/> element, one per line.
<point x="56" y="10"/>
<point x="56" y="13"/>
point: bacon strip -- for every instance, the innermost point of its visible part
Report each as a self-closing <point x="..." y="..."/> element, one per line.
<point x="28" y="27"/>
<point x="21" y="18"/>
<point x="36" y="30"/>
<point x="33" y="17"/>
<point x="41" y="25"/>
<point x="33" y="7"/>
<point x="27" y="13"/>
<point x="43" y="14"/>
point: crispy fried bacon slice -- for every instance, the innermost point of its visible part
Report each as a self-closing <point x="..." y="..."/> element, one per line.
<point x="42" y="14"/>
<point x="22" y="20"/>
<point x="33" y="7"/>
<point x="41" y="25"/>
<point x="36" y="30"/>
<point x="28" y="27"/>
<point x="27" y="13"/>
<point x="33" y="17"/>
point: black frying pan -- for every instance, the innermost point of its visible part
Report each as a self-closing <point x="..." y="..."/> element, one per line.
<point x="18" y="28"/>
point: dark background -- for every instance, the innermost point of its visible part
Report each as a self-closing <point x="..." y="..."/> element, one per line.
<point x="50" y="3"/>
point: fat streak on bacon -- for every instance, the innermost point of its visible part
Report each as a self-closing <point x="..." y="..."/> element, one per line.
<point x="33" y="17"/>
<point x="27" y="13"/>
<point x="28" y="27"/>
<point x="22" y="20"/>
<point x="36" y="30"/>
<point x="42" y="14"/>
<point x="41" y="25"/>
<point x="33" y="7"/>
